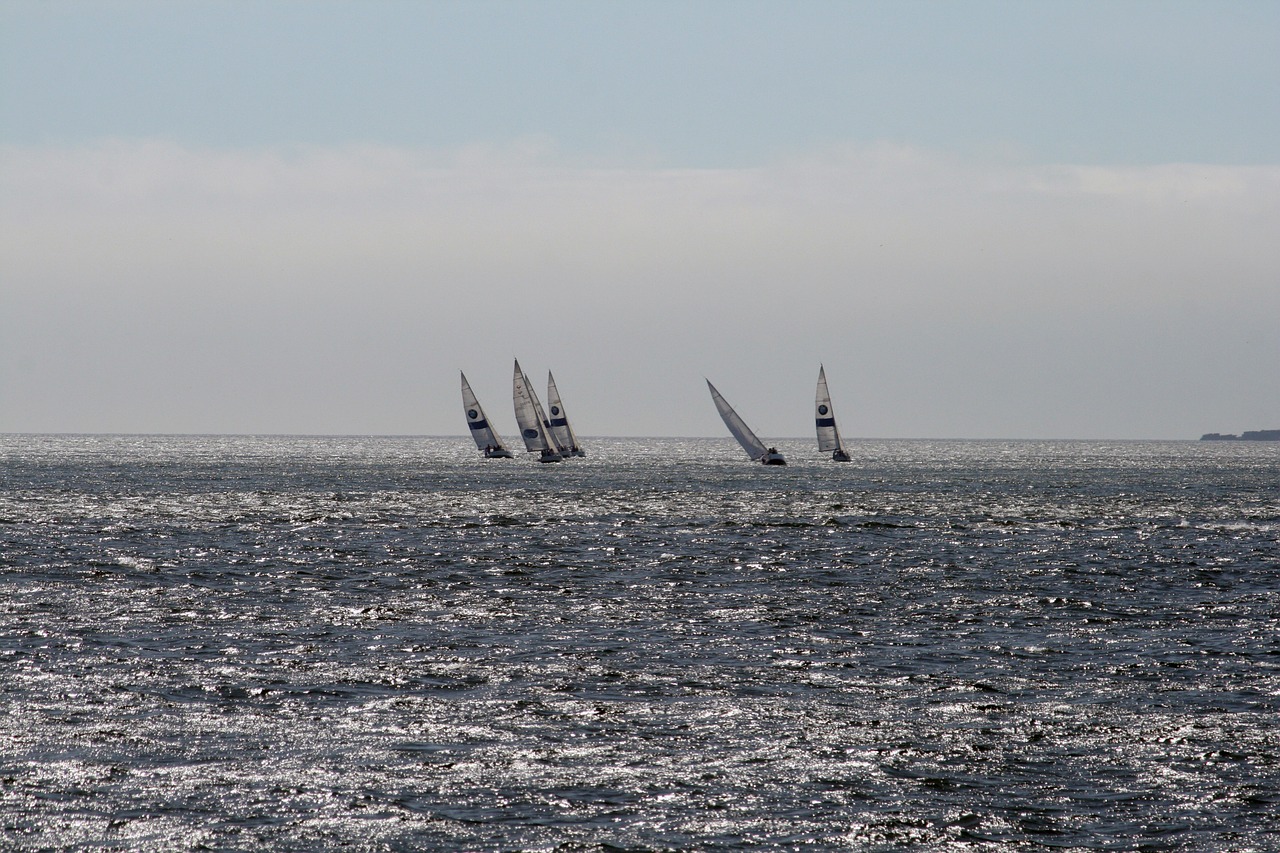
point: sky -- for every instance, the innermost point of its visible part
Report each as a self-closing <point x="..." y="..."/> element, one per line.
<point x="986" y="219"/>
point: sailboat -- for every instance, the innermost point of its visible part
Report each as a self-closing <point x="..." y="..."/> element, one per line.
<point x="559" y="423"/>
<point x="750" y="442"/>
<point x="828" y="432"/>
<point x="532" y="419"/>
<point x="485" y="436"/>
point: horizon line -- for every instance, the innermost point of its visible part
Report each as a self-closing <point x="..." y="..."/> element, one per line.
<point x="607" y="437"/>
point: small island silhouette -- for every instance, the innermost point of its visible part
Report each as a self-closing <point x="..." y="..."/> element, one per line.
<point x="1251" y="435"/>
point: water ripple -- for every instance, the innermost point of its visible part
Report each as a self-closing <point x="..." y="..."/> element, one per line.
<point x="387" y="644"/>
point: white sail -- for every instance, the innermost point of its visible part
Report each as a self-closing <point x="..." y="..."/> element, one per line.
<point x="532" y="431"/>
<point x="753" y="445"/>
<point x="485" y="436"/>
<point x="530" y="417"/>
<point x="828" y="433"/>
<point x="825" y="421"/>
<point x="555" y="452"/>
<point x="560" y="428"/>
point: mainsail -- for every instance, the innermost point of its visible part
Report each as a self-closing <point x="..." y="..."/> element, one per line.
<point x="754" y="446"/>
<point x="828" y="433"/>
<point x="825" y="420"/>
<point x="530" y="417"/>
<point x="485" y="436"/>
<point x="560" y="429"/>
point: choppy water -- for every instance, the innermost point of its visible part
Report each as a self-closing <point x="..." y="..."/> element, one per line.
<point x="389" y="644"/>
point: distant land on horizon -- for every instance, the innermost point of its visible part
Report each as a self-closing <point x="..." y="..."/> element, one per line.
<point x="1251" y="435"/>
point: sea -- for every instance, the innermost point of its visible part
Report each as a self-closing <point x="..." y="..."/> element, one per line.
<point x="392" y="644"/>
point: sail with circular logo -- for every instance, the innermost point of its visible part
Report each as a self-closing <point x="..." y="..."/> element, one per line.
<point x="559" y="422"/>
<point x="485" y="436"/>
<point x="532" y="419"/>
<point x="828" y="433"/>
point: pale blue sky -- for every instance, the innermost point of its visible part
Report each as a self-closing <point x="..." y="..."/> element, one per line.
<point x="707" y="84"/>
<point x="988" y="219"/>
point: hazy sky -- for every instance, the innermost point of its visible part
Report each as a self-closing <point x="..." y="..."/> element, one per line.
<point x="987" y="219"/>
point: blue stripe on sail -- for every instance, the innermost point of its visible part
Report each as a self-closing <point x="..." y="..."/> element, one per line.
<point x="559" y="422"/>
<point x="482" y="424"/>
<point x="826" y="422"/>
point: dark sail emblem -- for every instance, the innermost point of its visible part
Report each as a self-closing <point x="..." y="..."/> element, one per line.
<point x="472" y="414"/>
<point x="822" y="410"/>
<point x="531" y="433"/>
<point x="555" y="410"/>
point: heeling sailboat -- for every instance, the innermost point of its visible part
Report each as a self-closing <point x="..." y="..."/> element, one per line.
<point x="532" y="420"/>
<point x="750" y="442"/>
<point x="825" y="418"/>
<point x="559" y="422"/>
<point x="485" y="436"/>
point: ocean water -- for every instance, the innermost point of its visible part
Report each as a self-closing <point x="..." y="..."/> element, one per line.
<point x="235" y="643"/>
